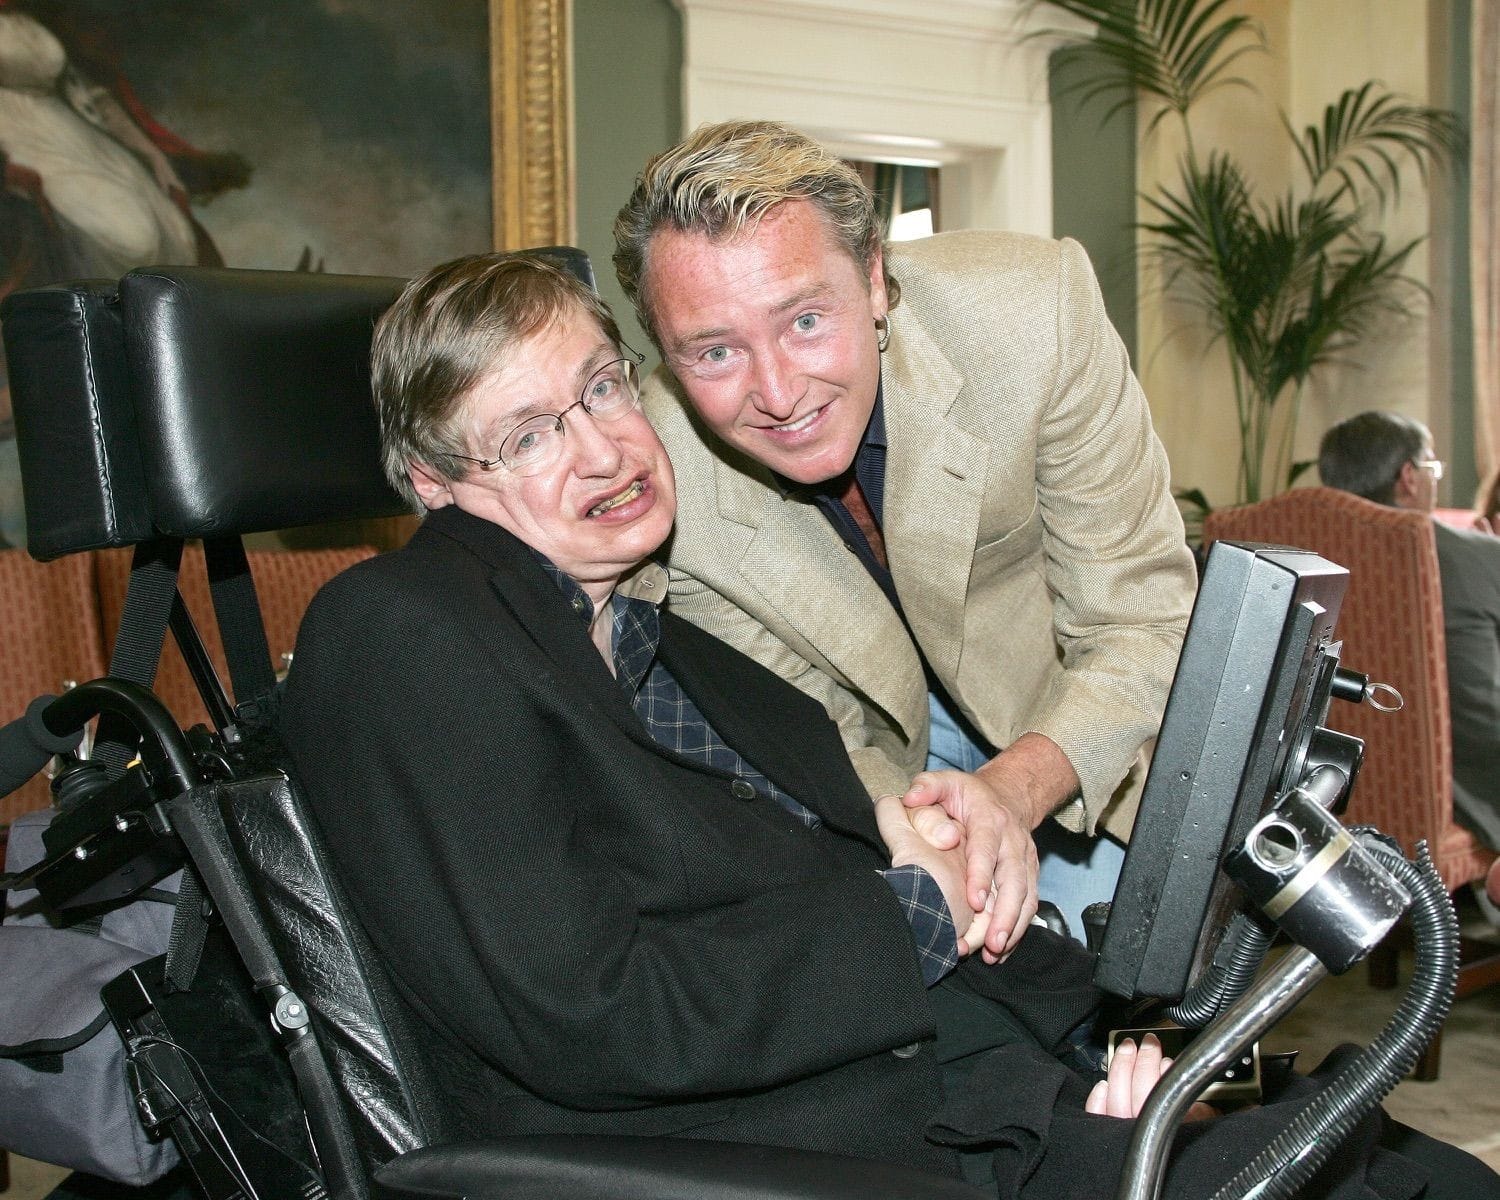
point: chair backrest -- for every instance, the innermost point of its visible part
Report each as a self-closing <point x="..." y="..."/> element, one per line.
<point x="1391" y="626"/>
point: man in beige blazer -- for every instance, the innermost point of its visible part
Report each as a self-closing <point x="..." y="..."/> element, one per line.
<point x="918" y="482"/>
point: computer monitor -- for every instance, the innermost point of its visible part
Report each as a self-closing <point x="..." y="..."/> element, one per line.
<point x="1248" y="702"/>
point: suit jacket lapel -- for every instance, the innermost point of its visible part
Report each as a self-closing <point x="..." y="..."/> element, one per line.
<point x="935" y="481"/>
<point x="818" y="588"/>
<point x="734" y="695"/>
<point x="526" y="591"/>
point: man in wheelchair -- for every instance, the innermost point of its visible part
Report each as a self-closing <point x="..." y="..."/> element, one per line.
<point x="625" y="879"/>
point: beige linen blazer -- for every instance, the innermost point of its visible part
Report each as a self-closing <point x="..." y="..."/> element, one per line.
<point x="1028" y="521"/>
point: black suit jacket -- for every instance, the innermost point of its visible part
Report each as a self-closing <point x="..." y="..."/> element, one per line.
<point x="602" y="935"/>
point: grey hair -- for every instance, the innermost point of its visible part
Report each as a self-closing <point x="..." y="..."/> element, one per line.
<point x="723" y="179"/>
<point x="1365" y="454"/>
<point x="446" y="331"/>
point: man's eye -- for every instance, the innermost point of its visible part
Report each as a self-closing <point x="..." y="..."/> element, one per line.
<point x="806" y="322"/>
<point x="527" y="442"/>
<point x="716" y="354"/>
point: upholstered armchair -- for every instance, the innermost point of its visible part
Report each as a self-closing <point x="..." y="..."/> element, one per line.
<point x="52" y="638"/>
<point x="1391" y="625"/>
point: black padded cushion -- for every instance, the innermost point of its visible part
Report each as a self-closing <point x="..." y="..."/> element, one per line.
<point x="361" y="1025"/>
<point x="252" y="397"/>
<point x="75" y="427"/>
<point x="546" y="1167"/>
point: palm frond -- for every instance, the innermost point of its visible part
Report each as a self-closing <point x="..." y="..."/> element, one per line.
<point x="1366" y="134"/>
<point x="1173" y="50"/>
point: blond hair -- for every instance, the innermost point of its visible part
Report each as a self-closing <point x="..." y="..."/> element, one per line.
<point x="723" y="179"/>
<point x="446" y="331"/>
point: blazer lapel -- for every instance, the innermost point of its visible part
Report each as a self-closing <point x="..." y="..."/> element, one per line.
<point x="738" y="699"/>
<point x="818" y="588"/>
<point x="533" y="599"/>
<point x="935" y="481"/>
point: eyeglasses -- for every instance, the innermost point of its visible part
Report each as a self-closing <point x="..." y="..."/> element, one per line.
<point x="613" y="391"/>
<point x="1433" y="466"/>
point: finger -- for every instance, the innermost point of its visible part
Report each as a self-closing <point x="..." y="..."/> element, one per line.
<point x="973" y="937"/>
<point x="937" y="828"/>
<point x="925" y="789"/>
<point x="892" y="822"/>
<point x="1005" y="926"/>
<point x="987" y="954"/>
<point x="1147" y="1072"/>
<point x="1097" y="1098"/>
<point x="1121" y="1068"/>
<point x="983" y="860"/>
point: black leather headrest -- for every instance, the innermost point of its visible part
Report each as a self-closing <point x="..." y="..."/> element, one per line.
<point x="194" y="402"/>
<point x="252" y="397"/>
<point x="81" y="471"/>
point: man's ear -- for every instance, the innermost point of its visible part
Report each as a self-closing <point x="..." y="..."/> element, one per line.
<point x="879" y="301"/>
<point x="1405" y="489"/>
<point x="431" y="488"/>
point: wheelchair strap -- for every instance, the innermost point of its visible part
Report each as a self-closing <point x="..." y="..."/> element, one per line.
<point x="240" y="626"/>
<point x="140" y="638"/>
<point x="189" y="932"/>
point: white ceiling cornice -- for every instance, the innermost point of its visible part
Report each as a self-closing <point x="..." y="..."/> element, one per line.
<point x="961" y="84"/>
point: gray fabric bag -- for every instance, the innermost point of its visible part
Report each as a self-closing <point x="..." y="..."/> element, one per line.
<point x="65" y="1097"/>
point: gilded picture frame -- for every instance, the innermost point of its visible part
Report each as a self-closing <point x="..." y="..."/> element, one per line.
<point x="531" y="137"/>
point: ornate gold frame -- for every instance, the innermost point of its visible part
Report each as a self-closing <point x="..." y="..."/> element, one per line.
<point x="531" y="122"/>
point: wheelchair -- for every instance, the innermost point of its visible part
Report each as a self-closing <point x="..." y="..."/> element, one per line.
<point x="196" y="404"/>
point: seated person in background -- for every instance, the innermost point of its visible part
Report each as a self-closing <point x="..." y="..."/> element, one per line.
<point x="626" y="879"/>
<point x="1388" y="458"/>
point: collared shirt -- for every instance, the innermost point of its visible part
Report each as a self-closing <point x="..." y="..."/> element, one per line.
<point x="869" y="469"/>
<point x="676" y="723"/>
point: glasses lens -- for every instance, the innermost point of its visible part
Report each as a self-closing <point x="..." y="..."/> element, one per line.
<point x="532" y="444"/>
<point x="613" y="390"/>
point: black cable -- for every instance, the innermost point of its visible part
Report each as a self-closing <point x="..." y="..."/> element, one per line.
<point x="201" y="1076"/>
<point x="235" y="1170"/>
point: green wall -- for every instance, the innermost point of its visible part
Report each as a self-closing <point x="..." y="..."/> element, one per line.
<point x="1093" y="194"/>
<point x="627" y="96"/>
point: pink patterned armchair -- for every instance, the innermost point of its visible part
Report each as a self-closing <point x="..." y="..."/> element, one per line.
<point x="1391" y="625"/>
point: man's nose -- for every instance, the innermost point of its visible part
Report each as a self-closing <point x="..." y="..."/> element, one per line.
<point x="777" y="385"/>
<point x="596" y="450"/>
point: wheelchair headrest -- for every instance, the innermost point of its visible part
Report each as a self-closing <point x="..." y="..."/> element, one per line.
<point x="192" y="402"/>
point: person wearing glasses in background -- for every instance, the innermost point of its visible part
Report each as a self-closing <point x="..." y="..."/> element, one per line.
<point x="1388" y="458"/>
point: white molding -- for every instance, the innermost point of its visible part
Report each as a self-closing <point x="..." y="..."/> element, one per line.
<point x="961" y="85"/>
<point x="1009" y="19"/>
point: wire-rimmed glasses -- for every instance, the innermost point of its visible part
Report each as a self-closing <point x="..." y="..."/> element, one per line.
<point x="612" y="391"/>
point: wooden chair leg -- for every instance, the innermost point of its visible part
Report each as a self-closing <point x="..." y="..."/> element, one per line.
<point x="1426" y="1070"/>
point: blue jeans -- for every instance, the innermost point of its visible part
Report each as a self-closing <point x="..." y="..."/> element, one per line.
<point x="1075" y="870"/>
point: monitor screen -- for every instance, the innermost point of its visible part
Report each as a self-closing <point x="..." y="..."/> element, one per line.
<point x="1250" y="694"/>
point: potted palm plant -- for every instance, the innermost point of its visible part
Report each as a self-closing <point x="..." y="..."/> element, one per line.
<point x="1290" y="282"/>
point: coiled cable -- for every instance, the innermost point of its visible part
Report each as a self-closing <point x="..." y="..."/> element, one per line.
<point x="1295" y="1154"/>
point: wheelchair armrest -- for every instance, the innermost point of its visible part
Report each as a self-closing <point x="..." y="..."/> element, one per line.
<point x="543" y="1167"/>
